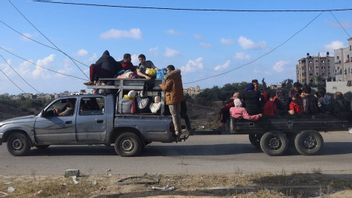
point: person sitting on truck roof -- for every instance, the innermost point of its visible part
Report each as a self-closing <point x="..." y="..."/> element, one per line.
<point x="105" y="67"/>
<point x="143" y="66"/>
<point x="340" y="104"/>
<point x="238" y="112"/>
<point x="127" y="70"/>
<point x="297" y="89"/>
<point x="295" y="106"/>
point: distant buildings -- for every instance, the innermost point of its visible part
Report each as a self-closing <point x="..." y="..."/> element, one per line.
<point x="343" y="62"/>
<point x="192" y="91"/>
<point x="315" y="69"/>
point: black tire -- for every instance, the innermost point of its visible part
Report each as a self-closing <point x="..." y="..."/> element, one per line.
<point x="274" y="143"/>
<point x="18" y="144"/>
<point x="254" y="138"/>
<point x="308" y="142"/>
<point x="128" y="144"/>
<point x="42" y="147"/>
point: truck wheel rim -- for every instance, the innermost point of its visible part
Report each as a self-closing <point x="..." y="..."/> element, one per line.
<point x="127" y="145"/>
<point x="309" y="142"/>
<point x="274" y="143"/>
<point x="17" y="144"/>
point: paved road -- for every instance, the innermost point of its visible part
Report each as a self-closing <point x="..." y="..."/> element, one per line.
<point x="200" y="154"/>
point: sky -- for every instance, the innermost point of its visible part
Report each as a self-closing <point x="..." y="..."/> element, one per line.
<point x="201" y="44"/>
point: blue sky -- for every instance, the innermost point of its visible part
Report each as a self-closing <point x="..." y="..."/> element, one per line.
<point x="199" y="43"/>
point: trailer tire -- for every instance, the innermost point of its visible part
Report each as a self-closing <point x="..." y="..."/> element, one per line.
<point x="128" y="144"/>
<point x="274" y="143"/>
<point x="308" y="142"/>
<point x="254" y="138"/>
<point x="18" y="144"/>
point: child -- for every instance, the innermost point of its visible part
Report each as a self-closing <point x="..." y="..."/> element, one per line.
<point x="270" y="107"/>
<point x="157" y="105"/>
<point x="239" y="112"/>
<point x="294" y="107"/>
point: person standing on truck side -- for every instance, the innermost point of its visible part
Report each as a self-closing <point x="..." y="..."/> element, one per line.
<point x="252" y="100"/>
<point x="184" y="115"/>
<point x="143" y="65"/>
<point x="105" y="67"/>
<point x="172" y="85"/>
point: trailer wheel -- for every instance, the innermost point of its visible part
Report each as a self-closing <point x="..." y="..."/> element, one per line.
<point x="254" y="138"/>
<point x="18" y="144"/>
<point x="128" y="144"/>
<point x="308" y="142"/>
<point x="274" y="143"/>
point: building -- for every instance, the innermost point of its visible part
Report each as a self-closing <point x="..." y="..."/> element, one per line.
<point x="343" y="62"/>
<point x="192" y="91"/>
<point x="315" y="69"/>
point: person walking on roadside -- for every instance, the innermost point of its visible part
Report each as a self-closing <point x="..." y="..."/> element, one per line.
<point x="173" y="88"/>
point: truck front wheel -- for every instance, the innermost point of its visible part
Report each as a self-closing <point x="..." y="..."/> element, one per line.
<point x="18" y="144"/>
<point x="274" y="143"/>
<point x="128" y="144"/>
<point x="308" y="142"/>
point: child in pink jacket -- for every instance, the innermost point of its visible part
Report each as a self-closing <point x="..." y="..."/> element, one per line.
<point x="239" y="112"/>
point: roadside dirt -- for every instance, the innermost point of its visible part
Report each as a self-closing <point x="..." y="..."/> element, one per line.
<point x="162" y="186"/>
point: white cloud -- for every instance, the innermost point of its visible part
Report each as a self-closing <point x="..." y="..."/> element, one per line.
<point x="26" y="36"/>
<point x="39" y="71"/>
<point x="193" y="65"/>
<point x="134" y="59"/>
<point x="247" y="43"/>
<point x="334" y="45"/>
<point x="226" y="41"/>
<point x="24" y="68"/>
<point x="222" y="66"/>
<point x="82" y="52"/>
<point x="134" y="33"/>
<point x="173" y="32"/>
<point x="154" y="51"/>
<point x="198" y="36"/>
<point x="66" y="69"/>
<point x="171" y="52"/>
<point x="242" y="56"/>
<point x="279" y="66"/>
<point x="205" y="45"/>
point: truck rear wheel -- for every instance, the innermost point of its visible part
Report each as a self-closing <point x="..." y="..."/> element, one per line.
<point x="254" y="138"/>
<point x="18" y="144"/>
<point x="308" y="142"/>
<point x="274" y="143"/>
<point x="128" y="144"/>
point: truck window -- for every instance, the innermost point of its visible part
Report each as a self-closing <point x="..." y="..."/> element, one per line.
<point x="63" y="107"/>
<point x="92" y="106"/>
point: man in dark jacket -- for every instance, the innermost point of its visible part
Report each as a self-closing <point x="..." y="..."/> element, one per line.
<point x="105" y="67"/>
<point x="252" y="100"/>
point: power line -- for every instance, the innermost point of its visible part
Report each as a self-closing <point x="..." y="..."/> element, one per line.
<point x="192" y="9"/>
<point x="19" y="11"/>
<point x="36" y="41"/>
<point x="261" y="56"/>
<point x="340" y="24"/>
<point x="24" y="80"/>
<point x="8" y="78"/>
<point x="51" y="70"/>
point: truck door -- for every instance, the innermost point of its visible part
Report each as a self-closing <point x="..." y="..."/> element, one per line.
<point x="56" y="125"/>
<point x="91" y="120"/>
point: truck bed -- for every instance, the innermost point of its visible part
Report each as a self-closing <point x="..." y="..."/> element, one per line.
<point x="293" y="124"/>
